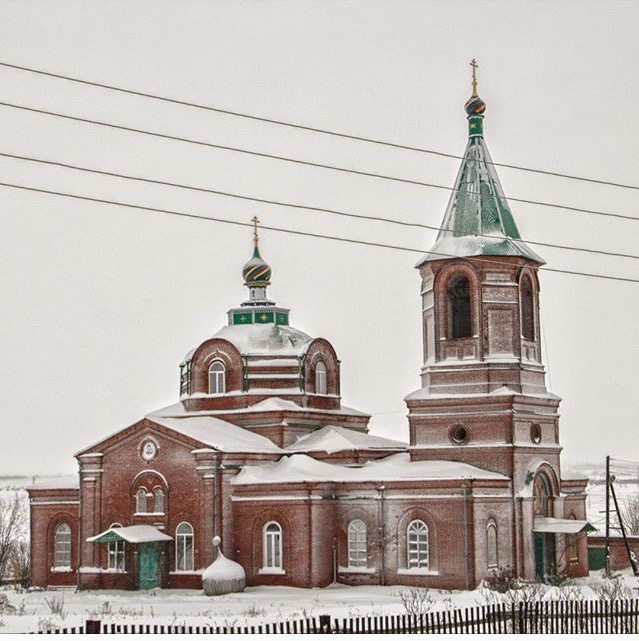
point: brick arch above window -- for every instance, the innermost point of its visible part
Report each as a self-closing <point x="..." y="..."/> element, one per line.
<point x="528" y="304"/>
<point x="59" y="523"/>
<point x="412" y="515"/>
<point x="321" y="351"/>
<point x="258" y="536"/>
<point x="492" y="544"/>
<point x="445" y="307"/>
<point x="224" y="352"/>
<point x="149" y="492"/>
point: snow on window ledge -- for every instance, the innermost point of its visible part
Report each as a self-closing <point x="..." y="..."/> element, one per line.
<point x="149" y="513"/>
<point x="62" y="569"/>
<point x="356" y="570"/>
<point x="90" y="570"/>
<point x="279" y="571"/>
<point x="418" y="572"/>
<point x="187" y="572"/>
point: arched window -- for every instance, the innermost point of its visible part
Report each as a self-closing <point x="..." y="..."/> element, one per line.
<point x="320" y="378"/>
<point x="541" y="493"/>
<point x="417" y="544"/>
<point x="573" y="547"/>
<point x="527" y="309"/>
<point x="459" y="316"/>
<point x="273" y="545"/>
<point x="217" y="378"/>
<point x="184" y="547"/>
<point x="357" y="556"/>
<point x="140" y="501"/>
<point x="116" y="552"/>
<point x="62" y="546"/>
<point x="158" y="500"/>
<point x="491" y="546"/>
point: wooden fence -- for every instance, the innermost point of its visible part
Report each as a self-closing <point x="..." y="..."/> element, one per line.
<point x="553" y="617"/>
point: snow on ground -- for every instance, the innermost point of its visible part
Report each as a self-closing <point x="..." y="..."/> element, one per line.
<point x="254" y="606"/>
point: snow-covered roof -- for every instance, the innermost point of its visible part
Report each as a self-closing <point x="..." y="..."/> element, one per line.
<point x="131" y="534"/>
<point x="300" y="468"/>
<point x="263" y="339"/>
<point x="218" y="434"/>
<point x="70" y="482"/>
<point x="267" y="405"/>
<point x="561" y="526"/>
<point x="423" y="393"/>
<point x="338" y="439"/>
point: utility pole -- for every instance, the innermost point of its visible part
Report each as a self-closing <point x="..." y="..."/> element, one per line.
<point x="607" y="566"/>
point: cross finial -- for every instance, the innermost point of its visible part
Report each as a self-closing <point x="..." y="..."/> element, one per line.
<point x="474" y="65"/>
<point x="255" y="221"/>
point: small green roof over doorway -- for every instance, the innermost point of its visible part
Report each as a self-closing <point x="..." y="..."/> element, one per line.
<point x="131" y="534"/>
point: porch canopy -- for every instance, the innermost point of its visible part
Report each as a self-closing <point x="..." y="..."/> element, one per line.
<point x="551" y="525"/>
<point x="131" y="534"/>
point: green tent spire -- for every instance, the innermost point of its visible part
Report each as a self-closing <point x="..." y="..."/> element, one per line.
<point x="478" y="220"/>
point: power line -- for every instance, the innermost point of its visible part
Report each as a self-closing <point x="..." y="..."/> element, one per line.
<point x="278" y="203"/>
<point x="292" y="231"/>
<point x="296" y="161"/>
<point x="293" y="125"/>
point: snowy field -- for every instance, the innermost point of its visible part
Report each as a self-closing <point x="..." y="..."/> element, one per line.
<point x="253" y="606"/>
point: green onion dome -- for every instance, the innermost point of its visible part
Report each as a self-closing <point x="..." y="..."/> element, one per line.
<point x="256" y="272"/>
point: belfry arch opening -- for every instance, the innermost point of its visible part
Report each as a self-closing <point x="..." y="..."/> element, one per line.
<point x="527" y="309"/>
<point x="458" y="307"/>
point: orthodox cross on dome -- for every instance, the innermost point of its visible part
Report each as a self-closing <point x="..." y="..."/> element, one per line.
<point x="474" y="65"/>
<point x="256" y="221"/>
<point x="475" y="106"/>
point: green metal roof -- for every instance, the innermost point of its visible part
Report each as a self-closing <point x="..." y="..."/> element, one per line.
<point x="478" y="219"/>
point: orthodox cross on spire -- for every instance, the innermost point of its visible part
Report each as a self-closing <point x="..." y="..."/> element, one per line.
<point x="255" y="220"/>
<point x="474" y="65"/>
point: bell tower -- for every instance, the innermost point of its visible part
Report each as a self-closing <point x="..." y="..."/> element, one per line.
<point x="483" y="398"/>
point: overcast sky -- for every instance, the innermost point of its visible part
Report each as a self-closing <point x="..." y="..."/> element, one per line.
<point x="100" y="303"/>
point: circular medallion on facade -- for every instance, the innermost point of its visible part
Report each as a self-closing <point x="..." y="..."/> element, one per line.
<point x="535" y="433"/>
<point x="459" y="434"/>
<point x="149" y="450"/>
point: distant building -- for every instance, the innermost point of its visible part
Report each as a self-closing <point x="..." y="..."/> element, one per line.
<point x="260" y="451"/>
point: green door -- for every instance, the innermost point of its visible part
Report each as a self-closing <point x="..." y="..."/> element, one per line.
<point x="148" y="566"/>
<point x="540" y="565"/>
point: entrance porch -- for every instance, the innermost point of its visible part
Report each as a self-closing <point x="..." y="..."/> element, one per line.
<point x="138" y="551"/>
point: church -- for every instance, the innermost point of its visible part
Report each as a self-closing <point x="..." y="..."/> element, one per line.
<point x="260" y="451"/>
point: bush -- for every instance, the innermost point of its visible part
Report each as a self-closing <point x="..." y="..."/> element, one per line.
<point x="502" y="586"/>
<point x="416" y="601"/>
<point x="502" y="580"/>
<point x="610" y="589"/>
<point x="5" y="606"/>
<point x="56" y="605"/>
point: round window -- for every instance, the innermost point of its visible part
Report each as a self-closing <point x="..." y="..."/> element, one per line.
<point x="459" y="434"/>
<point x="535" y="433"/>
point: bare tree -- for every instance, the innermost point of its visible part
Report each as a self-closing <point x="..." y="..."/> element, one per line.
<point x="629" y="509"/>
<point x="13" y="523"/>
<point x="20" y="563"/>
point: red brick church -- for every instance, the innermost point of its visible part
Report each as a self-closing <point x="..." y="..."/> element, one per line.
<point x="260" y="451"/>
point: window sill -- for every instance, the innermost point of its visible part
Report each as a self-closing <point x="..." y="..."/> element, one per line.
<point x="149" y="514"/>
<point x="278" y="571"/>
<point x="418" y="572"/>
<point x="61" y="570"/>
<point x="356" y="570"/>
<point x="186" y="572"/>
<point x="88" y="570"/>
